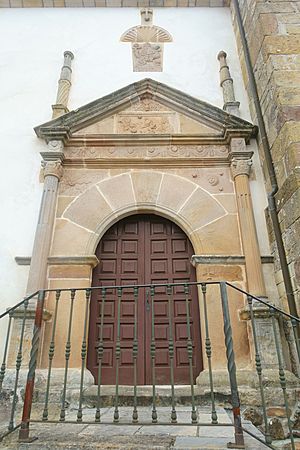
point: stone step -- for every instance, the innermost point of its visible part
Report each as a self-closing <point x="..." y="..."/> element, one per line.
<point x="145" y="396"/>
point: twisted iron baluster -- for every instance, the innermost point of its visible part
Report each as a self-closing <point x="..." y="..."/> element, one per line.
<point x="190" y="352"/>
<point x="100" y="356"/>
<point x="3" y="365"/>
<point x="118" y="356"/>
<point x="135" y="354"/>
<point x="83" y="352"/>
<point x="282" y="375"/>
<point x="238" y="432"/>
<point x="67" y="357"/>
<point x="18" y="367"/>
<point x="51" y="355"/>
<point x="152" y="352"/>
<point x="259" y="371"/>
<point x="171" y="355"/>
<point x="24" y="430"/>
<point x="214" y="417"/>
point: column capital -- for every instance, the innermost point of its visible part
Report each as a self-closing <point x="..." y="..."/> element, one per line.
<point x="52" y="168"/>
<point x="240" y="167"/>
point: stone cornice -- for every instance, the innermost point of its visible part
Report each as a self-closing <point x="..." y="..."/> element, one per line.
<point x="226" y="259"/>
<point x="90" y="260"/>
<point x="64" y="126"/>
<point x="158" y="139"/>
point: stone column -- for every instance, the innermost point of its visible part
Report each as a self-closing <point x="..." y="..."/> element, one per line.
<point x="240" y="171"/>
<point x="52" y="172"/>
<point x="226" y="83"/>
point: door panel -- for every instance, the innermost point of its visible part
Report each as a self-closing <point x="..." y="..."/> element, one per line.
<point x="144" y="250"/>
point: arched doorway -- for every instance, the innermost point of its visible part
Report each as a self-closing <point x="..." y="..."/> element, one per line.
<point x="143" y="249"/>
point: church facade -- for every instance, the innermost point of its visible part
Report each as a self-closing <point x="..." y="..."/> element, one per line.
<point x="150" y="171"/>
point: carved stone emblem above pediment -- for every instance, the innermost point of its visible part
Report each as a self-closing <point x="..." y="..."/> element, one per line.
<point x="147" y="44"/>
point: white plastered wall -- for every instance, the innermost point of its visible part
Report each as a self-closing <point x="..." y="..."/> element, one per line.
<point x="32" y="42"/>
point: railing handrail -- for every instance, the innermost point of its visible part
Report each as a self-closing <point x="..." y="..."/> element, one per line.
<point x="132" y="286"/>
<point x="263" y="302"/>
<point x="25" y="299"/>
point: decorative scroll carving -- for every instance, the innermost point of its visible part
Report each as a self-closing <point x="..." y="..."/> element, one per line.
<point x="52" y="168"/>
<point x="147" y="104"/>
<point x="146" y="32"/>
<point x="147" y="43"/>
<point x="143" y="124"/>
<point x="241" y="167"/>
<point x="174" y="151"/>
<point x="75" y="182"/>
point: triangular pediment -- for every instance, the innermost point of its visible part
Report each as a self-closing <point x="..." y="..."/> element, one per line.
<point x="145" y="108"/>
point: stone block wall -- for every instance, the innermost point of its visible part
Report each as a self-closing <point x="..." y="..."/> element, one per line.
<point x="273" y="35"/>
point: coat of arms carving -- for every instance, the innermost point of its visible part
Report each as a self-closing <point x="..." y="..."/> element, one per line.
<point x="147" y="44"/>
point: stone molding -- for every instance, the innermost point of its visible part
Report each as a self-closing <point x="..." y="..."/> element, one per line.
<point x="63" y="127"/>
<point x="111" y="3"/>
<point x="226" y="259"/>
<point x="52" y="168"/>
<point x="240" y="167"/>
<point x="90" y="260"/>
<point x="260" y="311"/>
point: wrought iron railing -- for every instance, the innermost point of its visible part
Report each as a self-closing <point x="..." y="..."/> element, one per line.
<point x="60" y="296"/>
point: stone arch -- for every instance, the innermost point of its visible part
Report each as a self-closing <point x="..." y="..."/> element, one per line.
<point x="146" y="191"/>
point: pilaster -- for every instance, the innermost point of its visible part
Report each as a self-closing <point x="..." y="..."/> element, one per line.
<point x="240" y="166"/>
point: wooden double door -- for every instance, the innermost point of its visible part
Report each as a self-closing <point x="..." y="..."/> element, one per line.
<point x="144" y="249"/>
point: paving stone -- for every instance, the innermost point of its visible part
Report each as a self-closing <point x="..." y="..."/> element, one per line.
<point x="94" y="431"/>
<point x="206" y="418"/>
<point x="172" y="430"/>
<point x="206" y="431"/>
<point x="188" y="443"/>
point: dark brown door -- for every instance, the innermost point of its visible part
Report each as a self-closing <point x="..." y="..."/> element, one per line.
<point x="144" y="249"/>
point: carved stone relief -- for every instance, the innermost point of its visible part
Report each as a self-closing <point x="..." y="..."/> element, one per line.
<point x="147" y="57"/>
<point x="74" y="182"/>
<point x="163" y="151"/>
<point x="147" y="44"/>
<point x="147" y="104"/>
<point x="144" y="124"/>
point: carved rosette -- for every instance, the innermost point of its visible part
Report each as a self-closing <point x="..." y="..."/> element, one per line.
<point x="52" y="168"/>
<point x="240" y="167"/>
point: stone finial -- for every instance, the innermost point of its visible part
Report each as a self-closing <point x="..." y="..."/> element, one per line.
<point x="240" y="167"/>
<point x="52" y="168"/>
<point x="64" y="86"/>
<point x="226" y="82"/>
<point x="146" y="16"/>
